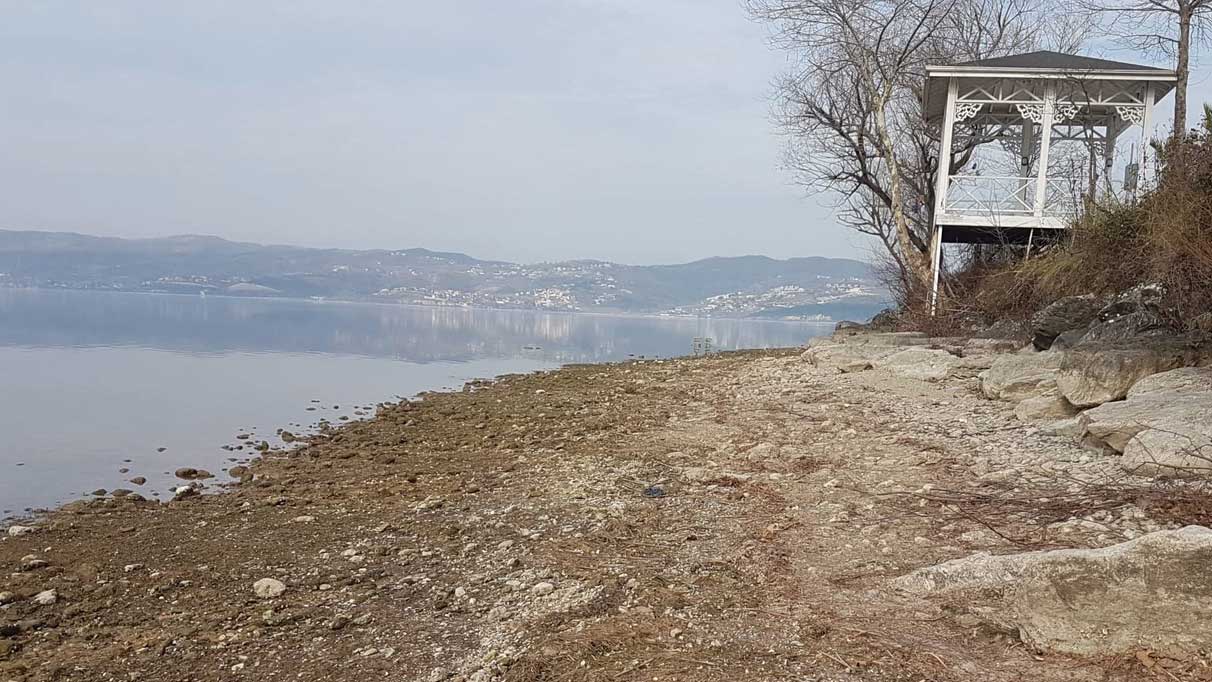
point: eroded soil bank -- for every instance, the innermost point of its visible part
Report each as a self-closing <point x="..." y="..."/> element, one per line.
<point x="736" y="517"/>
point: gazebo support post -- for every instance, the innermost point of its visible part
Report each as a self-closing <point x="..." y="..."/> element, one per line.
<point x="941" y="183"/>
<point x="1146" y="125"/>
<point x="1045" y="141"/>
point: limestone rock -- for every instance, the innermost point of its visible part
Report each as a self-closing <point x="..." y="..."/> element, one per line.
<point x="1020" y="376"/>
<point x="923" y="364"/>
<point x="1148" y="593"/>
<point x="1163" y="427"/>
<point x="845" y="358"/>
<point x="1093" y="376"/>
<point x="46" y="598"/>
<point x="1066" y="314"/>
<point x="268" y="588"/>
<point x="1049" y="407"/>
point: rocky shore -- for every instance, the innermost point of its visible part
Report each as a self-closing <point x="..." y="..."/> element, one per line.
<point x="876" y="507"/>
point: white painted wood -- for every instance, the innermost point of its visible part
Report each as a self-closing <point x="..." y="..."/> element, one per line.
<point x="1146" y="131"/>
<point x="1045" y="141"/>
<point x="943" y="177"/>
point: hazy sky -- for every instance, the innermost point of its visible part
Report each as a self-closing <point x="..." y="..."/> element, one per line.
<point x="628" y="130"/>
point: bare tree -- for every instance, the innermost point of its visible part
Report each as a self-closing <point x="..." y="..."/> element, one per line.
<point x="1163" y="28"/>
<point x="852" y="109"/>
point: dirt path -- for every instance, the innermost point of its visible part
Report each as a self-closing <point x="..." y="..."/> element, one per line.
<point x="726" y="518"/>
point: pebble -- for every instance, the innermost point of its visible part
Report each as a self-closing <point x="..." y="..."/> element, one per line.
<point x="268" y="588"/>
<point x="46" y="597"/>
<point x="543" y="588"/>
<point x="138" y="480"/>
<point x="16" y="531"/>
<point x="303" y="519"/>
<point x="7" y="598"/>
<point x="129" y="568"/>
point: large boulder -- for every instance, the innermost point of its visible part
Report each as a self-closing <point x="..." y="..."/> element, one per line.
<point x="1164" y="427"/>
<point x="1066" y="314"/>
<point x="1150" y="593"/>
<point x="846" y="357"/>
<point x="1135" y="314"/>
<point x="924" y="364"/>
<point x="1090" y="376"/>
<point x="1135" y="325"/>
<point x="1020" y="376"/>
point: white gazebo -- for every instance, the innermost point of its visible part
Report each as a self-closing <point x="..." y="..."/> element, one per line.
<point x="1031" y="104"/>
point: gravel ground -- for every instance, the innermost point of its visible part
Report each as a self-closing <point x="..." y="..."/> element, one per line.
<point x="724" y="518"/>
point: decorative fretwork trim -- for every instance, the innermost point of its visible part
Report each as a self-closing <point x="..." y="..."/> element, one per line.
<point x="1131" y="114"/>
<point x="966" y="110"/>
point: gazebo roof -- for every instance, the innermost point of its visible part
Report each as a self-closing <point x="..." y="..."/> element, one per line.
<point x="1053" y="61"/>
<point x="1040" y="65"/>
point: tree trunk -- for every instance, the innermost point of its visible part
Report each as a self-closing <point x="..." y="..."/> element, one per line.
<point x="1182" y="68"/>
<point x="918" y="267"/>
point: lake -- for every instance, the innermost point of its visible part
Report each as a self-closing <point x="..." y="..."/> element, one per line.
<point x="95" y="383"/>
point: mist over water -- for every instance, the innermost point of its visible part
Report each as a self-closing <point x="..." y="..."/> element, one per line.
<point x="93" y="379"/>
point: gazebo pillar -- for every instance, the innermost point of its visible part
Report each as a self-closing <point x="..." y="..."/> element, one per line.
<point x="1045" y="141"/>
<point x="942" y="182"/>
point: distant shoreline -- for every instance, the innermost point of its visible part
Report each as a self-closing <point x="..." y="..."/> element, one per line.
<point x="422" y="306"/>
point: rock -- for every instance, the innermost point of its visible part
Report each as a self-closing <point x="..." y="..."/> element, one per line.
<point x="18" y="531"/>
<point x="184" y="492"/>
<point x="1093" y="376"/>
<point x="1140" y="324"/>
<point x="542" y="589"/>
<point x="885" y="320"/>
<point x="131" y="568"/>
<point x="191" y="474"/>
<point x="46" y="598"/>
<point x="268" y="588"/>
<point x="1163" y="427"/>
<point x="1004" y="330"/>
<point x="849" y="326"/>
<point x="845" y="358"/>
<point x="923" y="364"/>
<point x="121" y="492"/>
<point x="287" y="437"/>
<point x="1020" y="376"/>
<point x="1063" y="315"/>
<point x="1068" y="339"/>
<point x="431" y="502"/>
<point x="138" y="480"/>
<point x="7" y="598"/>
<point x="238" y="471"/>
<point x="1065" y="428"/>
<point x="1044" y="408"/>
<point x="1148" y="593"/>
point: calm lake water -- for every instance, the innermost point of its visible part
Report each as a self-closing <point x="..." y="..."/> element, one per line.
<point x="93" y="383"/>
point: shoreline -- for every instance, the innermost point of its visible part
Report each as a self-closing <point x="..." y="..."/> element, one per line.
<point x="716" y="518"/>
<point x="420" y="306"/>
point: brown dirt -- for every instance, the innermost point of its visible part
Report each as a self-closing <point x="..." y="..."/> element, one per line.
<point x="762" y="553"/>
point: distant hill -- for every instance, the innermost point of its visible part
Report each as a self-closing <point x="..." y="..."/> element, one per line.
<point x="740" y="286"/>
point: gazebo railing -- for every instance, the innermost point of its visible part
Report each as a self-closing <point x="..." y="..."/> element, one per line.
<point x="994" y="195"/>
<point x="983" y="194"/>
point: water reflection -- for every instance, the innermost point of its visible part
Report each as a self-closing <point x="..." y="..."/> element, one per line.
<point x="415" y="334"/>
